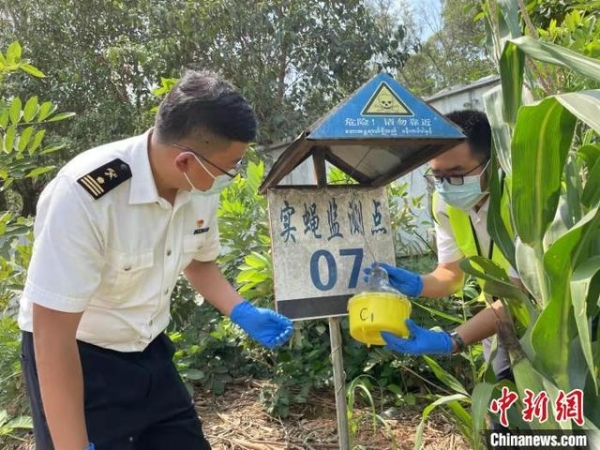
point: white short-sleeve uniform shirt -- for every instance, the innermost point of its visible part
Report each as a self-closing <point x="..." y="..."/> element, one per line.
<point x="107" y="245"/>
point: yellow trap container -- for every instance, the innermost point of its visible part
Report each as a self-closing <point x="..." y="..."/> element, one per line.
<point x="370" y="313"/>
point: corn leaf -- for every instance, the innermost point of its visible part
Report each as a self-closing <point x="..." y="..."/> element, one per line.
<point x="552" y="331"/>
<point x="480" y="401"/>
<point x="539" y="154"/>
<point x="512" y="64"/>
<point x="590" y="154"/>
<point x="501" y="131"/>
<point x="496" y="227"/>
<point x="556" y="54"/>
<point x="591" y="193"/>
<point x="428" y="410"/>
<point x="486" y="272"/>
<point x="445" y="377"/>
<point x="583" y="294"/>
<point x="527" y="377"/>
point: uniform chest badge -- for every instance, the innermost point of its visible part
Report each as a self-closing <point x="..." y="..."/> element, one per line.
<point x="200" y="227"/>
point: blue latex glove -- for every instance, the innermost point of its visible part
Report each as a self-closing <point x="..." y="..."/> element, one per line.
<point x="90" y="447"/>
<point x="420" y="342"/>
<point x="266" y="327"/>
<point x="407" y="282"/>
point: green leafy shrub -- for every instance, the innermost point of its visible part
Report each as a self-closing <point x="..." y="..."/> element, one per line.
<point x="23" y="153"/>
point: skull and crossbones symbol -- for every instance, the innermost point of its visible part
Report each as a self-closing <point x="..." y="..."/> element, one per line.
<point x="386" y="101"/>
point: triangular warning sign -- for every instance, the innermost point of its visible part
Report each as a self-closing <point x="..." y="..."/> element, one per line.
<point x="385" y="102"/>
<point x="382" y="109"/>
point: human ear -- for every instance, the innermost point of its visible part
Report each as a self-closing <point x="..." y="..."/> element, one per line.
<point x="182" y="161"/>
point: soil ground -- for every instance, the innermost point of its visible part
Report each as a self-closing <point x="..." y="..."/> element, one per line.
<point x="237" y="420"/>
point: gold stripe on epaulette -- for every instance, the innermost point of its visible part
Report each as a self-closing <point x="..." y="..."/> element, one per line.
<point x="93" y="185"/>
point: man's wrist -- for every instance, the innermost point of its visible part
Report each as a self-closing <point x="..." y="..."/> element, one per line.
<point x="458" y="345"/>
<point x="240" y="306"/>
<point x="420" y="285"/>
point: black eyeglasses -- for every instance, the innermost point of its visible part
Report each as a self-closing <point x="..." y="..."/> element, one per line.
<point x="455" y="180"/>
<point x="230" y="173"/>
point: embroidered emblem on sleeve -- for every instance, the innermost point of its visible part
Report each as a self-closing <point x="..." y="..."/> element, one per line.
<point x="105" y="178"/>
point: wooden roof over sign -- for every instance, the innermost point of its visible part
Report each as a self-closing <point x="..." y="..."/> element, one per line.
<point x="376" y="135"/>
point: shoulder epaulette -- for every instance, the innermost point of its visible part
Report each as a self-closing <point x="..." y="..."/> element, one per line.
<point x="105" y="178"/>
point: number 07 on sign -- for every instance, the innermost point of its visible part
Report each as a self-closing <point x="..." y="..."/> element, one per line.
<point x="322" y="239"/>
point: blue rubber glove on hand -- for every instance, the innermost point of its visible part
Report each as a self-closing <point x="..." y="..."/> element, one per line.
<point x="407" y="282"/>
<point x="266" y="327"/>
<point x="421" y="341"/>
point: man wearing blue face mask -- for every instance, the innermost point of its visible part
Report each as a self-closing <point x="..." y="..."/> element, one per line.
<point x="460" y="208"/>
<point x="113" y="231"/>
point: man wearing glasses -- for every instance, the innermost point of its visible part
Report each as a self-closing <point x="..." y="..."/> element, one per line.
<point x="113" y="231"/>
<point x="460" y="209"/>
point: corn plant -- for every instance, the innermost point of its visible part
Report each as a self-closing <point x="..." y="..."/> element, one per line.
<point x="545" y="120"/>
<point x="549" y="150"/>
<point x="363" y="385"/>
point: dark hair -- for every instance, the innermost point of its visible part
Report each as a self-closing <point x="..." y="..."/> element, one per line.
<point x="476" y="128"/>
<point x="203" y="102"/>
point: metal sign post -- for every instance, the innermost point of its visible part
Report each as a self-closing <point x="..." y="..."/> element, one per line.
<point x="339" y="382"/>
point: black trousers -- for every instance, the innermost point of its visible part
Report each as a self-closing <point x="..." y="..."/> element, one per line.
<point x="132" y="400"/>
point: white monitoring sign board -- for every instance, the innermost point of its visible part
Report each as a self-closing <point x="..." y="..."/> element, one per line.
<point x="322" y="239"/>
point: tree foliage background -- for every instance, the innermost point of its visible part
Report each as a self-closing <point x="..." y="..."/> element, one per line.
<point x="293" y="60"/>
<point x="445" y="44"/>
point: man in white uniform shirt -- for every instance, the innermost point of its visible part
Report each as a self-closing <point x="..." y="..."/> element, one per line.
<point x="113" y="231"/>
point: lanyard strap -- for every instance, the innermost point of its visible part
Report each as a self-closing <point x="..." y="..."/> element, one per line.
<point x="491" y="246"/>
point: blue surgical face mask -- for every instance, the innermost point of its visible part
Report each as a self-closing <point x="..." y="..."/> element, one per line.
<point x="220" y="182"/>
<point x="464" y="196"/>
